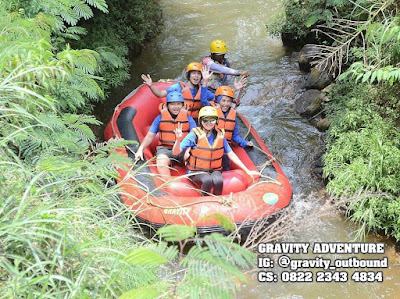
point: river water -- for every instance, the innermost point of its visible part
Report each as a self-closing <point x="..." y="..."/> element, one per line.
<point x="268" y="102"/>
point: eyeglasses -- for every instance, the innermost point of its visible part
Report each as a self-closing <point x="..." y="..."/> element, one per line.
<point x="209" y="120"/>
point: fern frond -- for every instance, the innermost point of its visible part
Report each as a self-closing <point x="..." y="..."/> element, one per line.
<point x="76" y="30"/>
<point x="147" y="292"/>
<point x="152" y="255"/>
<point x="223" y="220"/>
<point x="69" y="15"/>
<point x="174" y="233"/>
<point x="82" y="10"/>
<point x="201" y="262"/>
<point x="99" y="4"/>
<point x="109" y="56"/>
<point x="225" y="248"/>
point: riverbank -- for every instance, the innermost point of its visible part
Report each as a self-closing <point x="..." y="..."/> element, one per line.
<point x="361" y="111"/>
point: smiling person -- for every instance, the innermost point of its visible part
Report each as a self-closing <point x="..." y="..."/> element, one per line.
<point x="227" y="120"/>
<point x="173" y="115"/>
<point x="224" y="97"/>
<point x="207" y="145"/>
<point x="190" y="90"/>
<point x="220" y="66"/>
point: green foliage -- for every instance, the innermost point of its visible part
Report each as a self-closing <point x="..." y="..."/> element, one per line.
<point x="223" y="220"/>
<point x="174" y="233"/>
<point x="63" y="230"/>
<point x="380" y="62"/>
<point x="134" y="22"/>
<point x="302" y="15"/>
<point x="210" y="269"/>
<point x="67" y="21"/>
<point x="363" y="153"/>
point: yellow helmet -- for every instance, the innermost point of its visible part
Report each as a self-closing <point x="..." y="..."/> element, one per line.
<point x="194" y="66"/>
<point x="218" y="46"/>
<point x="224" y="91"/>
<point x="209" y="111"/>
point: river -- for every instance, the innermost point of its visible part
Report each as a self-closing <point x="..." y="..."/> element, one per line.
<point x="268" y="102"/>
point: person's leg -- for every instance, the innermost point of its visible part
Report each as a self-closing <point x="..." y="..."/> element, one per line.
<point x="204" y="181"/>
<point x="226" y="163"/>
<point x="218" y="182"/>
<point x="163" y="163"/>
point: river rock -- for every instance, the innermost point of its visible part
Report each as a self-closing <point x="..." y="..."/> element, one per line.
<point x="291" y="39"/>
<point x="317" y="166"/>
<point x="317" y="79"/>
<point x="305" y="57"/>
<point x="325" y="98"/>
<point x="309" y="103"/>
<point x="328" y="89"/>
<point x="323" y="124"/>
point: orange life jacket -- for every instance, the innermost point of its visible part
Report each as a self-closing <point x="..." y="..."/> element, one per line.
<point x="194" y="104"/>
<point x="227" y="123"/>
<point x="168" y="125"/>
<point x="206" y="157"/>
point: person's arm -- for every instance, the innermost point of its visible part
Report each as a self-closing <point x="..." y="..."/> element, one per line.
<point x="235" y="159"/>
<point x="221" y="69"/>
<point x="148" y="139"/>
<point x="176" y="149"/>
<point x="184" y="144"/>
<point x="145" y="143"/>
<point x="205" y="93"/>
<point x="161" y="93"/>
<point x="236" y="137"/>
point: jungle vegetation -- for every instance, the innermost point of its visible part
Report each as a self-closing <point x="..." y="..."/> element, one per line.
<point x="359" y="44"/>
<point x="63" y="231"/>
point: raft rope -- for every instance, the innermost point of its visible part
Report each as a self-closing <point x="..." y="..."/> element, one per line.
<point x="223" y="200"/>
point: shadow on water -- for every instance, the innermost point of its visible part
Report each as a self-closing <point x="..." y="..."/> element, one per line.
<point x="268" y="103"/>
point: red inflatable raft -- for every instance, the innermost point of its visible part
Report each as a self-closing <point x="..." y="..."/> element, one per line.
<point x="157" y="203"/>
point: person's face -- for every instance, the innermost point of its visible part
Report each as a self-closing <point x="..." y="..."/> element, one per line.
<point x="208" y="123"/>
<point x="195" y="77"/>
<point x="225" y="103"/>
<point x="175" y="107"/>
<point x="219" y="57"/>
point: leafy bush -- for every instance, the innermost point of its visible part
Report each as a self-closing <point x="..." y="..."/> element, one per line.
<point x="210" y="269"/>
<point x="133" y="23"/>
<point x="301" y="16"/>
<point x="63" y="231"/>
<point x="363" y="153"/>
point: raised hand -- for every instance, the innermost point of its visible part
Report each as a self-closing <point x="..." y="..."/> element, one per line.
<point x="178" y="131"/>
<point x="240" y="84"/>
<point x="206" y="73"/>
<point x="147" y="79"/>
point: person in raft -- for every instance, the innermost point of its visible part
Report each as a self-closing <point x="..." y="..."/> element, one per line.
<point x="207" y="145"/>
<point x="220" y="66"/>
<point x="224" y="96"/>
<point x="190" y="90"/>
<point x="172" y="114"/>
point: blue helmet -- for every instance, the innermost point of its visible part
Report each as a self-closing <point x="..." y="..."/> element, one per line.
<point x="175" y="96"/>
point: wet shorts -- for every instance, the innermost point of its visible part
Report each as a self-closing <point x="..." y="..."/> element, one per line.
<point x="168" y="152"/>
